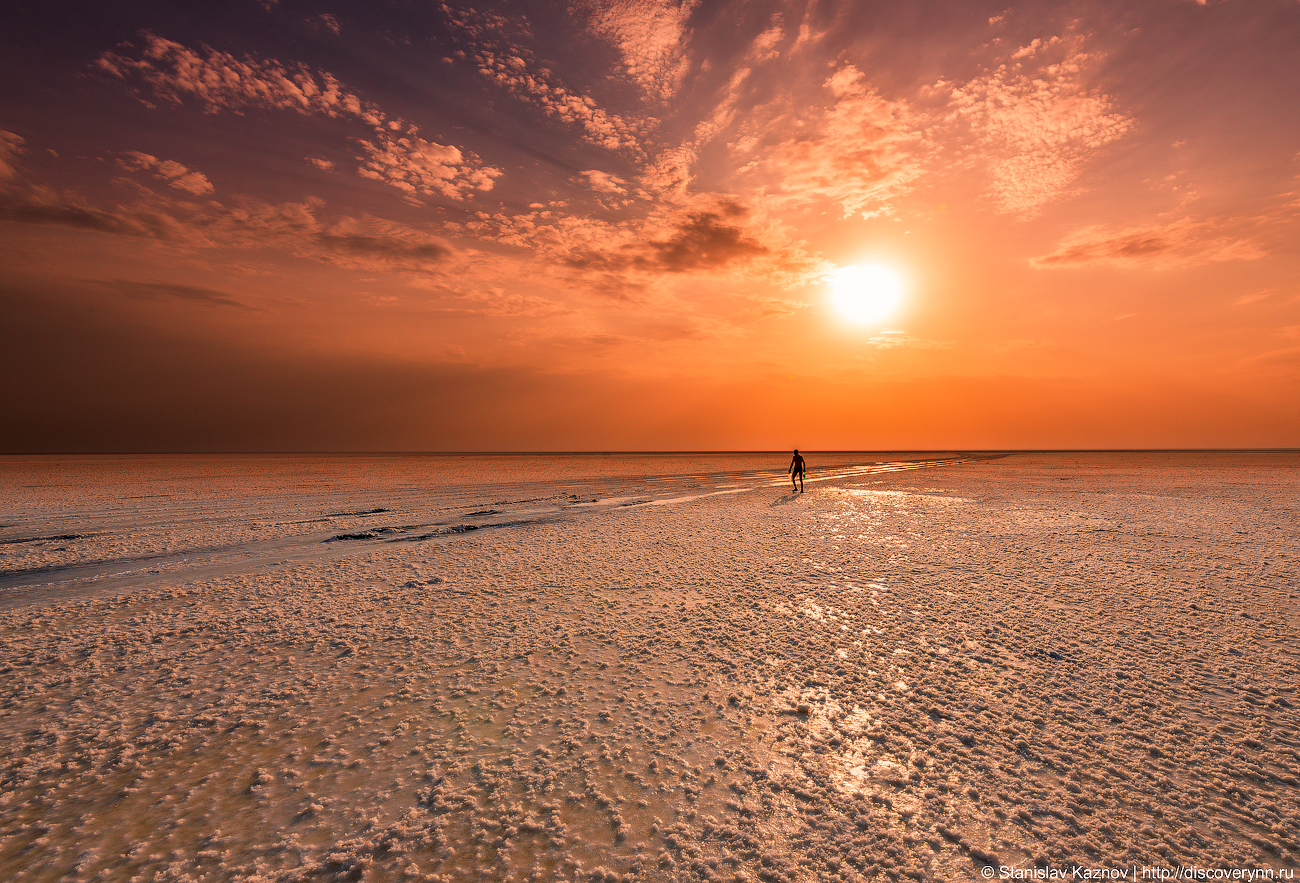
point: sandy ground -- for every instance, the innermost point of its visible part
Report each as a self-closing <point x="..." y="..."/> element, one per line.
<point x="976" y="668"/>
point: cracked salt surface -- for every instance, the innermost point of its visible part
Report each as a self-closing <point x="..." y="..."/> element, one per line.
<point x="869" y="680"/>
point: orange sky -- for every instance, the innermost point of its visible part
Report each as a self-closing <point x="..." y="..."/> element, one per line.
<point x="527" y="226"/>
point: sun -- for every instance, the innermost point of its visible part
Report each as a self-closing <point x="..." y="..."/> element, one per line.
<point x="868" y="293"/>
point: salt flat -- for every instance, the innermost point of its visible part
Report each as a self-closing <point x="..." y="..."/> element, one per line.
<point x="667" y="669"/>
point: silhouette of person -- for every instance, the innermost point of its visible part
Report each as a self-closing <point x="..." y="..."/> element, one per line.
<point x="796" y="470"/>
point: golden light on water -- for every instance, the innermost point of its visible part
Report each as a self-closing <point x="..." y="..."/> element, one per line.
<point x="867" y="293"/>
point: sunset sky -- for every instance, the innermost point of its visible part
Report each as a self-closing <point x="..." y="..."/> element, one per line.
<point x="614" y="225"/>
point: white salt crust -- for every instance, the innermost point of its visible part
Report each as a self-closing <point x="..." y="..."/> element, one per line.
<point x="1049" y="660"/>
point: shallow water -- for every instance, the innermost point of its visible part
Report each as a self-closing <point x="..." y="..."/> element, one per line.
<point x="76" y="524"/>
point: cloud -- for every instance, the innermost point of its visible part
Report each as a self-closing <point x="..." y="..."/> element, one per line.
<point x="296" y="228"/>
<point x="496" y="46"/>
<point x="670" y="173"/>
<point x="218" y="81"/>
<point x="1181" y="243"/>
<point x="888" y="340"/>
<point x="498" y="302"/>
<point x="766" y="45"/>
<point x="169" y="291"/>
<point x="414" y="165"/>
<point x="634" y="259"/>
<point x="388" y="250"/>
<point x="325" y="21"/>
<point x="355" y="243"/>
<point x="10" y="146"/>
<point x="862" y="154"/>
<point x="650" y="37"/>
<point x="520" y="74"/>
<point x="603" y="182"/>
<point x="1036" y="127"/>
<point x="175" y="174"/>
<point x="694" y="242"/>
<point x="704" y="241"/>
<point x="545" y="232"/>
<point x="44" y="207"/>
<point x="1287" y="358"/>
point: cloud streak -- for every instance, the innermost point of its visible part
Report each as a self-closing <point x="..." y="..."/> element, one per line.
<point x="294" y="227"/>
<point x="496" y="47"/>
<point x="175" y="174"/>
<point x="395" y="154"/>
<point x="1181" y="243"/>
<point x="10" y="146"/>
<point x="44" y="207"/>
<point x="162" y="291"/>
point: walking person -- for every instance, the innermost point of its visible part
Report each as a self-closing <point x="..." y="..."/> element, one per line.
<point x="796" y="470"/>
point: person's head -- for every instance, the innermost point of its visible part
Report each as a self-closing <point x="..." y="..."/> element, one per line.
<point x="796" y="450"/>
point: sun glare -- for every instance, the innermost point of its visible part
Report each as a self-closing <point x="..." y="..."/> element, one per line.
<point x="865" y="294"/>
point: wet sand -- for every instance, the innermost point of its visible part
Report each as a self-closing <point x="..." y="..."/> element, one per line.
<point x="923" y="667"/>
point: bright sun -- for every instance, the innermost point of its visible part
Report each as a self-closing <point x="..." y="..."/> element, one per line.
<point x="868" y="293"/>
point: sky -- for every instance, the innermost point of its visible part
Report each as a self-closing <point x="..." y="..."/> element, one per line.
<point x="617" y="225"/>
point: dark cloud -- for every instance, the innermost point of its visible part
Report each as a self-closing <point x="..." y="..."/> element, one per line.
<point x="171" y="291"/>
<point x="347" y="242"/>
<point x="55" y="212"/>
<point x="384" y="248"/>
<point x="1110" y="250"/>
<point x="704" y="241"/>
<point x="1180" y="243"/>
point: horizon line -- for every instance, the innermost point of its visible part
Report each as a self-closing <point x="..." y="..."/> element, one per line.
<point x="648" y="452"/>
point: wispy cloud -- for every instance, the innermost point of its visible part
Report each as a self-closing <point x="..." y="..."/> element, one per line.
<point x="45" y="207"/>
<point x="10" y="146"/>
<point x="219" y="81"/>
<point x="175" y="174"/>
<point x="889" y="340"/>
<point x="604" y="182"/>
<point x="497" y="47"/>
<point x="354" y="243"/>
<point x="670" y="173"/>
<point x="641" y="258"/>
<point x="1179" y="243"/>
<point x="325" y="21"/>
<point x="650" y="37"/>
<point x="297" y="228"/>
<point x="1036" y="121"/>
<point x="388" y="250"/>
<point x="162" y="291"/>
<point x="862" y="153"/>
<point x="519" y="74"/>
<point x="497" y="302"/>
